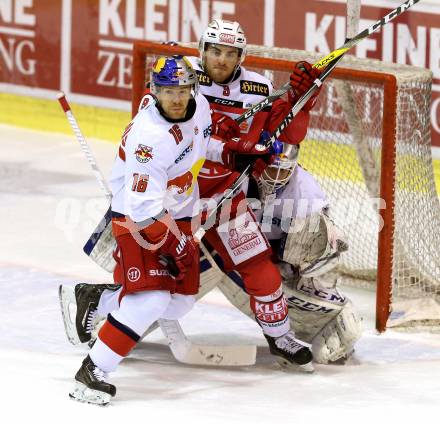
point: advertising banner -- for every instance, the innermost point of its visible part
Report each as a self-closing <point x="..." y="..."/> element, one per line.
<point x="30" y="43"/>
<point x="84" y="47"/>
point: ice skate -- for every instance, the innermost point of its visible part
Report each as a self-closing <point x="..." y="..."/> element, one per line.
<point x="291" y="352"/>
<point x="91" y="385"/>
<point x="79" y="308"/>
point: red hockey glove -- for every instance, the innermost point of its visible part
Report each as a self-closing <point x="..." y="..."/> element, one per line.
<point x="301" y="79"/>
<point x="224" y="127"/>
<point x="237" y="154"/>
<point x="178" y="254"/>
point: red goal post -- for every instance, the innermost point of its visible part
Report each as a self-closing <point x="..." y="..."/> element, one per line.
<point x="340" y="135"/>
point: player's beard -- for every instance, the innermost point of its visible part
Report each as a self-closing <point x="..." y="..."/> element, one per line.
<point x="220" y="74"/>
<point x="177" y="111"/>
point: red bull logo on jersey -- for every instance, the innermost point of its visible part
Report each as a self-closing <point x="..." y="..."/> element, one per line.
<point x="143" y="153"/>
<point x="182" y="183"/>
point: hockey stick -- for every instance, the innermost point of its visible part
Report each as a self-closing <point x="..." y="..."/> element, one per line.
<point x="329" y="62"/>
<point x="326" y="60"/>
<point x="84" y="145"/>
<point x="104" y="230"/>
<point x="182" y="348"/>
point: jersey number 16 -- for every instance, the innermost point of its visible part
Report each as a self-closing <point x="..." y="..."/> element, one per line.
<point x="140" y="182"/>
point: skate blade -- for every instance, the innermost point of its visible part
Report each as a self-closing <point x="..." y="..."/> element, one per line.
<point x="82" y="393"/>
<point x="67" y="298"/>
<point x="309" y="368"/>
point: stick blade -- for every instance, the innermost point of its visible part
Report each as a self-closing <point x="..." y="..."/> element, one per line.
<point x="194" y="354"/>
<point x="223" y="356"/>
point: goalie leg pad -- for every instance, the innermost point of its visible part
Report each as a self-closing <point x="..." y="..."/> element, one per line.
<point x="311" y="305"/>
<point x="210" y="273"/>
<point x="336" y="340"/>
<point x="319" y="315"/>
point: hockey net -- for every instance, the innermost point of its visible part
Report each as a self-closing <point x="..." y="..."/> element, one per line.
<point x="369" y="146"/>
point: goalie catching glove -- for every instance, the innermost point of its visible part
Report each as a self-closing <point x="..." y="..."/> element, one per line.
<point x="237" y="155"/>
<point x="301" y="79"/>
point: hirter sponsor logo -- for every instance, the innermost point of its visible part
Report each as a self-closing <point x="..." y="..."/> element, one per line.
<point x="133" y="274"/>
<point x="226" y="38"/>
<point x="253" y="87"/>
<point x="143" y="153"/>
<point x="203" y="79"/>
<point x="242" y="238"/>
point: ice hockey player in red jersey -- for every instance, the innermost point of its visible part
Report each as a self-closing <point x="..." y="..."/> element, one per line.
<point x="231" y="89"/>
<point x="155" y="195"/>
<point x="295" y="215"/>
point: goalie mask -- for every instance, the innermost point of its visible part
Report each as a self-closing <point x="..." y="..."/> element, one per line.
<point x="173" y="71"/>
<point x="226" y="33"/>
<point x="279" y="172"/>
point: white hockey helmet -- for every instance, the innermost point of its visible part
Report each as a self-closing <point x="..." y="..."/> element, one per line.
<point x="226" y="33"/>
<point x="286" y="159"/>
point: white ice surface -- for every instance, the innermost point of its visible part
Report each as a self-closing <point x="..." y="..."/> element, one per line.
<point x="45" y="184"/>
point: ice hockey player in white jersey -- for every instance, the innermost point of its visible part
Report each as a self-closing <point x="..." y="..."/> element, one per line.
<point x="155" y="195"/>
<point x="293" y="212"/>
<point x="230" y="89"/>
